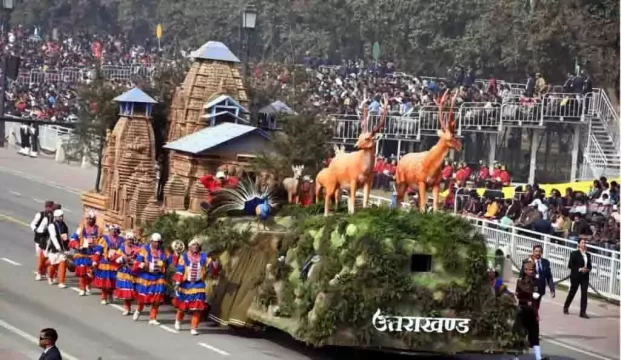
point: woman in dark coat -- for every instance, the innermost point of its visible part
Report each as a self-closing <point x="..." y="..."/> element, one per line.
<point x="528" y="319"/>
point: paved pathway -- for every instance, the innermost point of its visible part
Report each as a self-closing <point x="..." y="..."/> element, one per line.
<point x="44" y="168"/>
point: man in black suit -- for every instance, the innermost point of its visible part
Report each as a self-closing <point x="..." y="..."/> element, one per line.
<point x="580" y="266"/>
<point x="47" y="341"/>
<point x="543" y="273"/>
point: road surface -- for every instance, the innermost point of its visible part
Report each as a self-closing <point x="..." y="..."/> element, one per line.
<point x="89" y="330"/>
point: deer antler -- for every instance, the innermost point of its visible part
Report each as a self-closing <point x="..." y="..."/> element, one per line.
<point x="440" y="105"/>
<point x="364" y="117"/>
<point x="382" y="121"/>
<point x="451" y="121"/>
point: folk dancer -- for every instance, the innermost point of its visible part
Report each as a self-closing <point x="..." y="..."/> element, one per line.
<point x="125" y="276"/>
<point x="190" y="289"/>
<point x="527" y="318"/>
<point x="56" y="249"/>
<point x="543" y="273"/>
<point x="84" y="242"/>
<point x="39" y="227"/>
<point x="151" y="263"/>
<point x="104" y="262"/>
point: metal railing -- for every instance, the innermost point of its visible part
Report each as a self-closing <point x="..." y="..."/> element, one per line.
<point x="609" y="117"/>
<point x="489" y="116"/>
<point x="74" y="75"/>
<point x="605" y="275"/>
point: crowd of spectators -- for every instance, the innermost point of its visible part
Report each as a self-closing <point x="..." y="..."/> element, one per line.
<point x="571" y="215"/>
<point x="339" y="90"/>
<point x="55" y="99"/>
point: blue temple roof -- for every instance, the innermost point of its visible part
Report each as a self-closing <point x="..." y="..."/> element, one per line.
<point x="215" y="50"/>
<point x="135" y="95"/>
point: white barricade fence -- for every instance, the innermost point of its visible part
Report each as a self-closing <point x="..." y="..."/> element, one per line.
<point x="605" y="276"/>
<point x="74" y="75"/>
<point x="51" y="135"/>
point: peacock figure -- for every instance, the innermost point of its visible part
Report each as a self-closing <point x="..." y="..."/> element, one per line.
<point x="246" y="197"/>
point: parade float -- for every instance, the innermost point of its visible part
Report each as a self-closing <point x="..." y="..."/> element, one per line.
<point x="364" y="278"/>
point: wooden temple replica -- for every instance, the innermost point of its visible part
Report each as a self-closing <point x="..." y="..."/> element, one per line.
<point x="208" y="131"/>
<point x="128" y="182"/>
<point x="209" y="128"/>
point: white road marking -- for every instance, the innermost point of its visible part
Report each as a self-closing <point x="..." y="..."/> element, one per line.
<point x="169" y="329"/>
<point x="121" y="309"/>
<point x="213" y="348"/>
<point x="39" y="180"/>
<point x="15" y="193"/>
<point x="31" y="338"/>
<point x="576" y="349"/>
<point x="118" y="307"/>
<point x="38" y="200"/>
<point x="11" y="261"/>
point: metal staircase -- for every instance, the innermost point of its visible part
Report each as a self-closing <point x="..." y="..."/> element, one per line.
<point x="601" y="155"/>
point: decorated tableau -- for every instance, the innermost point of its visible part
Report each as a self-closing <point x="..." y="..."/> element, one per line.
<point x="380" y="277"/>
<point x="367" y="277"/>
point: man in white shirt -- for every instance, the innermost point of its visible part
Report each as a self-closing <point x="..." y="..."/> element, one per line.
<point x="540" y="206"/>
<point x="56" y="248"/>
<point x="39" y="228"/>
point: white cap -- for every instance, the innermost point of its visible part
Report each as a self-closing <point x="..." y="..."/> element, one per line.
<point x="58" y="213"/>
<point x="156" y="237"/>
<point x="194" y="242"/>
<point x="91" y="215"/>
<point x="220" y="175"/>
<point x="130" y="235"/>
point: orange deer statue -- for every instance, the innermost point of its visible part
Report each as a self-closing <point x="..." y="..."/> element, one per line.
<point x="424" y="169"/>
<point x="351" y="170"/>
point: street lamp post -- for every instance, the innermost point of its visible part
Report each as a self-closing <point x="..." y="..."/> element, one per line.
<point x="7" y="7"/>
<point x="249" y="21"/>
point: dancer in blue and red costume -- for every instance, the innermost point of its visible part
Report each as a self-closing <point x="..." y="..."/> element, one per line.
<point x="125" y="277"/>
<point x="84" y="242"/>
<point x="105" y="262"/>
<point x="151" y="264"/>
<point x="193" y="268"/>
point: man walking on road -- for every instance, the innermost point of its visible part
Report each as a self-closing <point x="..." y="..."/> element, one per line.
<point x="543" y="274"/>
<point x="39" y="227"/>
<point x="47" y="341"/>
<point x="57" y="246"/>
<point x="580" y="266"/>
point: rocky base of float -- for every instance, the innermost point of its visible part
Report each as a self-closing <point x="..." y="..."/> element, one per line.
<point x="324" y="279"/>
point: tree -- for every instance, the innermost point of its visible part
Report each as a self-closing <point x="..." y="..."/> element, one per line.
<point x="98" y="114"/>
<point x="302" y="141"/>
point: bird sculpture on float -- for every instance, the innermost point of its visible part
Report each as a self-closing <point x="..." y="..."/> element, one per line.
<point x="354" y="169"/>
<point x="246" y="197"/>
<point x="423" y="169"/>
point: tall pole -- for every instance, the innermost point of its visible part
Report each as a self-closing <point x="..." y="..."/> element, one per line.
<point x="7" y="6"/>
<point x="247" y="53"/>
<point x="3" y="82"/>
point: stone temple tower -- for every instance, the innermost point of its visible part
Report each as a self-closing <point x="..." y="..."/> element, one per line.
<point x="128" y="181"/>
<point x="214" y="72"/>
